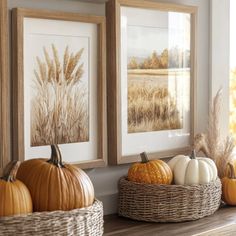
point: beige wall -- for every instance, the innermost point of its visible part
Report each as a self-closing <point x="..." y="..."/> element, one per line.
<point x="105" y="179"/>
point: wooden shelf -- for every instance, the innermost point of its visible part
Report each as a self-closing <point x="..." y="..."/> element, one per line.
<point x="222" y="223"/>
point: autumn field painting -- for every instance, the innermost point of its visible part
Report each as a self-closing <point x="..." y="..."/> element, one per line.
<point x="152" y="103"/>
<point x="59" y="107"/>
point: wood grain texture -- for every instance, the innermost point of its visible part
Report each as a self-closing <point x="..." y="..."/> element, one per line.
<point x="223" y="222"/>
<point x="162" y="6"/>
<point x="4" y="87"/>
<point x="114" y="80"/>
<point x="17" y="86"/>
<point x="193" y="84"/>
<point x="18" y="16"/>
<point x="101" y="96"/>
<point x="113" y="110"/>
<point x="148" y="4"/>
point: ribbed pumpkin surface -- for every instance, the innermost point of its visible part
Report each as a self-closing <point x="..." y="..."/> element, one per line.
<point x="150" y="172"/>
<point x="14" y="196"/>
<point x="229" y="190"/>
<point x="56" y="188"/>
<point x="229" y="186"/>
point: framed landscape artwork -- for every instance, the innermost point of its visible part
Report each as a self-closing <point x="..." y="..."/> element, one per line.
<point x="151" y="71"/>
<point x="4" y="93"/>
<point x="59" y="87"/>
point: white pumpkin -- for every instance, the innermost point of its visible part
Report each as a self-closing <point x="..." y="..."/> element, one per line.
<point x="191" y="170"/>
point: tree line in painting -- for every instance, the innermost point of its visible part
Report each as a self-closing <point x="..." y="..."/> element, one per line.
<point x="173" y="58"/>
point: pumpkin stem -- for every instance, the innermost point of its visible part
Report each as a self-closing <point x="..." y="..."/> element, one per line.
<point x="56" y="158"/>
<point x="144" y="157"/>
<point x="193" y="154"/>
<point x="10" y="171"/>
<point x="232" y="172"/>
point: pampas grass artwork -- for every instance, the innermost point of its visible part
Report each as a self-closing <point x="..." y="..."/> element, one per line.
<point x="211" y="143"/>
<point x="59" y="107"/>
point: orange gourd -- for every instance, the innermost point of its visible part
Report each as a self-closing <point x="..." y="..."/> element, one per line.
<point x="229" y="187"/>
<point x="150" y="172"/>
<point x="55" y="185"/>
<point x="14" y="196"/>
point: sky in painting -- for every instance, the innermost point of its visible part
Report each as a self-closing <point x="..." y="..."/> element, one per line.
<point x="144" y="39"/>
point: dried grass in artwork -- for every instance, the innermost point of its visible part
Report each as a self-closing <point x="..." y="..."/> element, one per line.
<point x="59" y="107"/>
<point x="151" y="108"/>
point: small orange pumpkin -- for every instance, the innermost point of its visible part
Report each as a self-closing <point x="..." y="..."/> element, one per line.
<point x="14" y="196"/>
<point x="229" y="187"/>
<point x="55" y="185"/>
<point x="150" y="172"/>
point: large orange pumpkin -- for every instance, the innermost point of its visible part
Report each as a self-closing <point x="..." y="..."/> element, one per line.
<point x="55" y="185"/>
<point x="14" y="196"/>
<point x="150" y="172"/>
<point x="229" y="187"/>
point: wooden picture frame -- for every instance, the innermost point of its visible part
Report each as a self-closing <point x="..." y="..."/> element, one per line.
<point x="20" y="54"/>
<point x="114" y="75"/>
<point x="4" y="87"/>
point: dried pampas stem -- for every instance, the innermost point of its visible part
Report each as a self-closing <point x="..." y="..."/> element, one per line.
<point x="210" y="143"/>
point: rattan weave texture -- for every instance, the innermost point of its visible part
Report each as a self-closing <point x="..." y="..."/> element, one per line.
<point x="167" y="203"/>
<point x="79" y="222"/>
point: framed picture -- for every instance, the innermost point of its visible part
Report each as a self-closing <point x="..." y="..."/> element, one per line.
<point x="151" y="79"/>
<point x="4" y="99"/>
<point x="59" y="86"/>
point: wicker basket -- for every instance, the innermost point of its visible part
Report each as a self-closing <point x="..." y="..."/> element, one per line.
<point x="167" y="203"/>
<point x="84" y="221"/>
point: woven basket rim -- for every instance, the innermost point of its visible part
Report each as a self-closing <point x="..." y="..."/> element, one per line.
<point x="82" y="221"/>
<point x="167" y="203"/>
<point x="125" y="178"/>
<point x="59" y="212"/>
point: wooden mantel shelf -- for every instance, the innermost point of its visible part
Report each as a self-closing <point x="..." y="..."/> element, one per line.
<point x="222" y="223"/>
